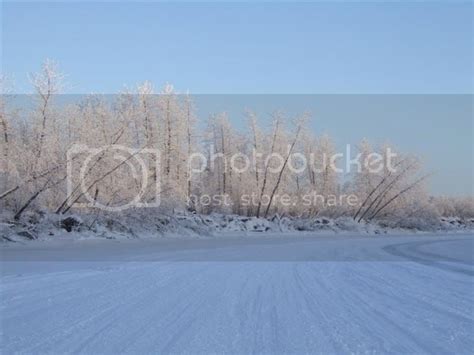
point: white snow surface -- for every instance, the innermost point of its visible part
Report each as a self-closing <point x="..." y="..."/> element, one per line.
<point x="282" y="293"/>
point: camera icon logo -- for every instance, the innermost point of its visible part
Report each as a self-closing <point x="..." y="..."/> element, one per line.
<point x="113" y="177"/>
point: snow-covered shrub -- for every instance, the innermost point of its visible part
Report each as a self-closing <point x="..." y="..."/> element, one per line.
<point x="462" y="207"/>
<point x="347" y="224"/>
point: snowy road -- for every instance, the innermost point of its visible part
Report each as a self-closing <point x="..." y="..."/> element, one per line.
<point x="344" y="294"/>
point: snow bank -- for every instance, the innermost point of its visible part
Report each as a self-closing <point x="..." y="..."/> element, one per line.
<point x="47" y="226"/>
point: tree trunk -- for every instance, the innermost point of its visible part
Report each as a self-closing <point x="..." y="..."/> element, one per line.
<point x="281" y="171"/>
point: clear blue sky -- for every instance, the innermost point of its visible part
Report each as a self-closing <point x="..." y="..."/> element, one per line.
<point x="264" y="48"/>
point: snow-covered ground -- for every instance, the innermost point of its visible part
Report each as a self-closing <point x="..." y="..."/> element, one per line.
<point x="275" y="294"/>
<point x="44" y="226"/>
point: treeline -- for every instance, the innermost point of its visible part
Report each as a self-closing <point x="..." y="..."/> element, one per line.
<point x="282" y="168"/>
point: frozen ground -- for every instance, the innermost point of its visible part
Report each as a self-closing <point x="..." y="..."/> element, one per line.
<point x="275" y="294"/>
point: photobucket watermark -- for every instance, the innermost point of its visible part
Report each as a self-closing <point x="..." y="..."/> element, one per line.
<point x="294" y="162"/>
<point x="116" y="177"/>
<point x="112" y="177"/>
<point x="311" y="199"/>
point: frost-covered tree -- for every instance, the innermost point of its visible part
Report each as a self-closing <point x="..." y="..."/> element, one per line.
<point x="321" y="172"/>
<point x="260" y="161"/>
<point x="385" y="181"/>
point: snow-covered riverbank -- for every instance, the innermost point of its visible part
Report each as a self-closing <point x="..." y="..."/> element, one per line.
<point x="44" y="227"/>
